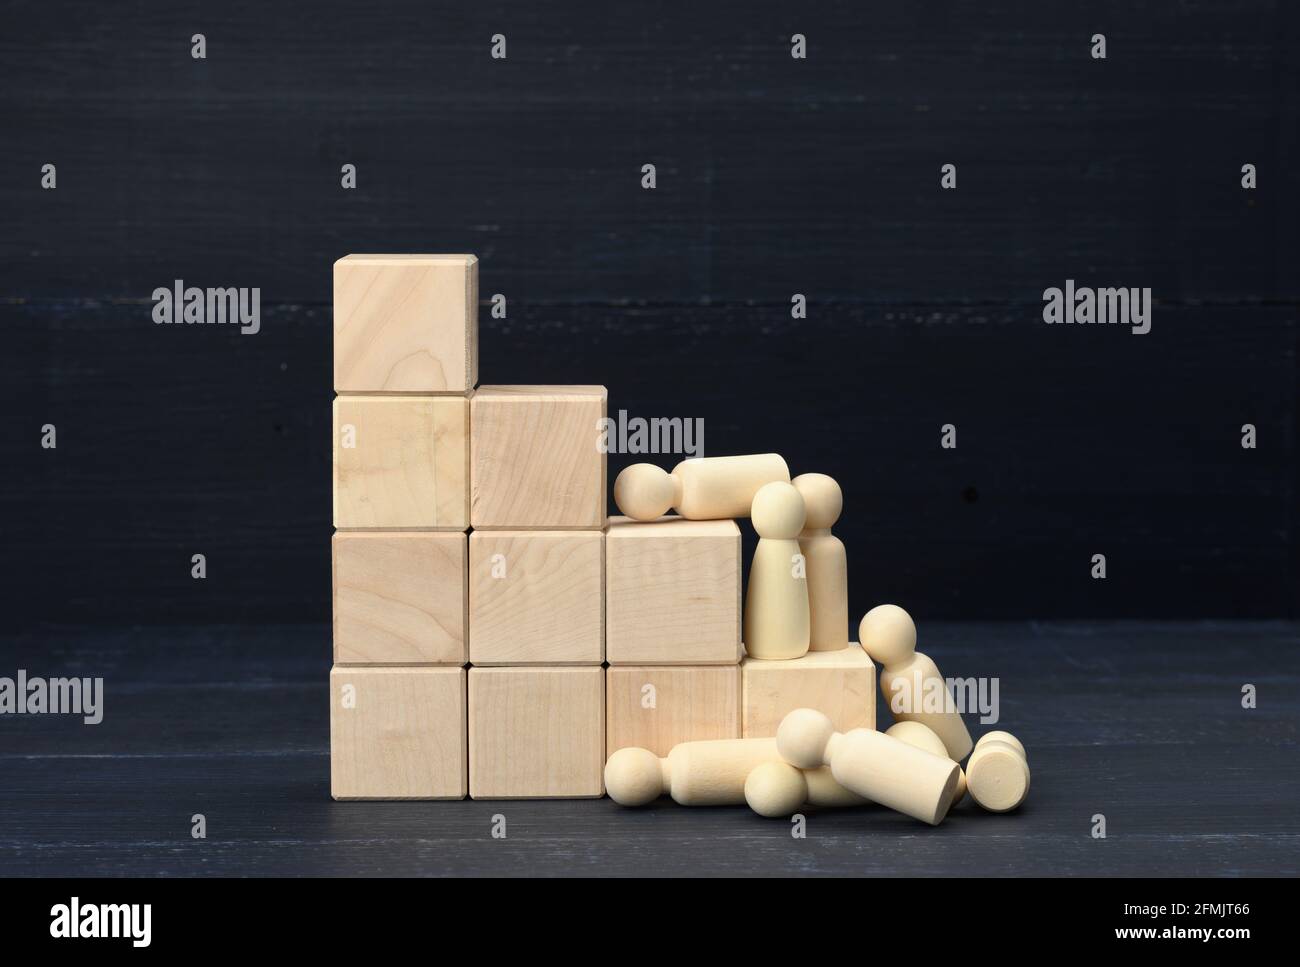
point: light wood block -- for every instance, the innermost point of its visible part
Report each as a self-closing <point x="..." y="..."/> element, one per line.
<point x="397" y="733"/>
<point x="840" y="684"/>
<point x="672" y="592"/>
<point x="657" y="706"/>
<point x="536" y="733"/>
<point x="537" y="597"/>
<point x="537" y="459"/>
<point x="408" y="467"/>
<point x="405" y="324"/>
<point x="400" y="598"/>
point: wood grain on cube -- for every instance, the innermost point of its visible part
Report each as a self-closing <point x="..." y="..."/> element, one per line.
<point x="408" y="466"/>
<point x="405" y="324"/>
<point x="536" y="733"/>
<point x="400" y="598"/>
<point x="672" y="592"/>
<point x="537" y="458"/>
<point x="537" y="597"/>
<point x="398" y="733"/>
<point x="840" y="684"/>
<point x="656" y="706"/>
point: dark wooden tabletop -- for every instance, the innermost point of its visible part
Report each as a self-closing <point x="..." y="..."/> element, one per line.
<point x="1140" y="723"/>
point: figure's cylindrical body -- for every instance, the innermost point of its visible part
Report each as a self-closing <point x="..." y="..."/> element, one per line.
<point x="713" y="772"/>
<point x="776" y="620"/>
<point x="916" y="692"/>
<point x="893" y="773"/>
<point x="998" y="772"/>
<point x="716" y="488"/>
<point x="923" y="737"/>
<point x="828" y="590"/>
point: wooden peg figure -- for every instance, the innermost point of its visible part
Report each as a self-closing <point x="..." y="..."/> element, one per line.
<point x="710" y="772"/>
<point x="826" y="562"/>
<point x="705" y="488"/>
<point x="715" y="772"/>
<point x="872" y="764"/>
<point x="998" y="772"/>
<point x="776" y="624"/>
<point x="910" y="682"/>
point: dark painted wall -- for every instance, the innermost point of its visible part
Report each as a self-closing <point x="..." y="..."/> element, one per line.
<point x="776" y="176"/>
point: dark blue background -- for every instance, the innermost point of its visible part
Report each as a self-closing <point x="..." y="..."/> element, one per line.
<point x="775" y="176"/>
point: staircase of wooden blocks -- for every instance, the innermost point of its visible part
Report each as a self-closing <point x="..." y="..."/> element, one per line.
<point x="494" y="634"/>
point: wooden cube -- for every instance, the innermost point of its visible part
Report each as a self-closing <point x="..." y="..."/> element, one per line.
<point x="401" y="462"/>
<point x="537" y="597"/>
<point x="400" y="598"/>
<point x="406" y="324"/>
<point x="397" y="733"/>
<point x="656" y="706"/>
<point x="672" y="592"/>
<point x="536" y="733"/>
<point x="842" y="684"/>
<point x="538" y="462"/>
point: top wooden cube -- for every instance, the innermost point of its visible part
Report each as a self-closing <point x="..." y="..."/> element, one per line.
<point x="406" y="324"/>
<point x="536" y="458"/>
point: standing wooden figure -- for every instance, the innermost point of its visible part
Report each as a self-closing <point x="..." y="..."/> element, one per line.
<point x="776" y="621"/>
<point x="827" y="564"/>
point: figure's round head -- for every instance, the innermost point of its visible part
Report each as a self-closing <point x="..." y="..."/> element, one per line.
<point x="822" y="499"/>
<point x="802" y="736"/>
<point x="775" y="789"/>
<point x="633" y="777"/>
<point x="644" y="491"/>
<point x="888" y="634"/>
<point x="777" y="511"/>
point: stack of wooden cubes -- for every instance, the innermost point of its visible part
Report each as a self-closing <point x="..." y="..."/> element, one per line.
<point x="509" y="660"/>
<point x="405" y="365"/>
<point x="536" y="592"/>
